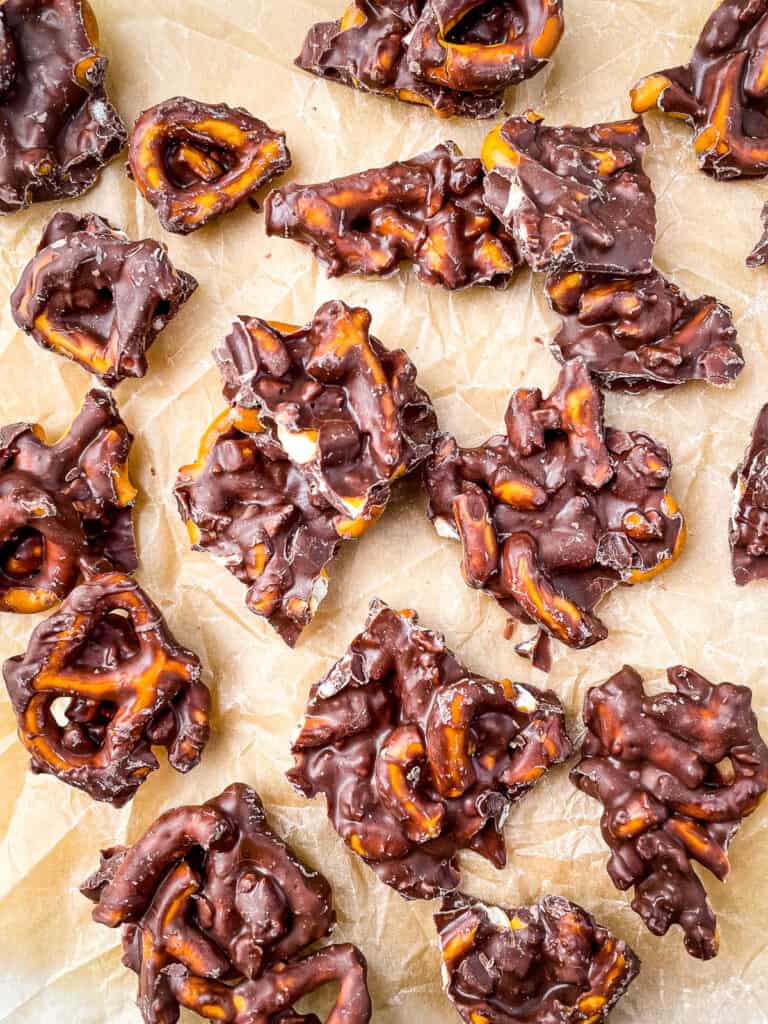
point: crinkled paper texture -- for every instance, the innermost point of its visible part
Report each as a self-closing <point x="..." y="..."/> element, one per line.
<point x="471" y="349"/>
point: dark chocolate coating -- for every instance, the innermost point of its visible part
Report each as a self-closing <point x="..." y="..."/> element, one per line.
<point x="454" y="56"/>
<point x="64" y="506"/>
<point x="128" y="687"/>
<point x="550" y="963"/>
<point x="195" y="161"/>
<point x="96" y="297"/>
<point x="559" y="511"/>
<point x="656" y="765"/>
<point x="352" y="405"/>
<point x="216" y="912"/>
<point x="574" y="198"/>
<point x="247" y="504"/>
<point x="417" y="757"/>
<point x="428" y="210"/>
<point x="635" y="333"/>
<point x="57" y="125"/>
<point x="721" y="92"/>
<point x="759" y="255"/>
<point x="748" y="533"/>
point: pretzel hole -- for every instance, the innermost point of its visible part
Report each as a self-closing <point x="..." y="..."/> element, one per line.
<point x="188" y="163"/>
<point x="361" y="224"/>
<point x="23" y="554"/>
<point x="487" y="24"/>
<point x="111" y="641"/>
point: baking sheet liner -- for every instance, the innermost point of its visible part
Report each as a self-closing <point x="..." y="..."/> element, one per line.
<point x="471" y="349"/>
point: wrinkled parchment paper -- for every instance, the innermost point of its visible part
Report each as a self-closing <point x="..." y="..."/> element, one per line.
<point x="471" y="350"/>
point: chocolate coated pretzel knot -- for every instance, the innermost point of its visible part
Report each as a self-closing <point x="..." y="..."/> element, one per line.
<point x="128" y="686"/>
<point x="455" y="56"/>
<point x="57" y="126"/>
<point x="675" y="773"/>
<point x="63" y="506"/>
<point x="417" y="757"/>
<point x="559" y="511"/>
<point x="249" y="506"/>
<point x="346" y="409"/>
<point x="722" y="92"/>
<point x="641" y="332"/>
<point x="551" y="962"/>
<point x="195" y="161"/>
<point x="428" y="210"/>
<point x="497" y="46"/>
<point x="216" y="910"/>
<point x="92" y="295"/>
<point x="748" y="531"/>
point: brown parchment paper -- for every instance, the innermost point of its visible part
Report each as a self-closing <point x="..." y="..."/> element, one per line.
<point x="471" y="350"/>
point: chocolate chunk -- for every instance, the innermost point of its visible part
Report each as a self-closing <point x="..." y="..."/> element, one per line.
<point x="57" y="126"/>
<point x="455" y="56"/>
<point x="246" y="503"/>
<point x="675" y="773"/>
<point x="636" y="333"/>
<point x="64" y="506"/>
<point x="721" y="92"/>
<point x="428" y="210"/>
<point x="417" y="757"/>
<point x="216" y="915"/>
<point x="551" y="962"/>
<point x="127" y="686"/>
<point x="759" y="255"/>
<point x="559" y="511"/>
<point x="347" y="410"/>
<point x="324" y="420"/>
<point x="96" y="297"/>
<point x="574" y="198"/>
<point x="195" y="161"/>
<point x="748" y="532"/>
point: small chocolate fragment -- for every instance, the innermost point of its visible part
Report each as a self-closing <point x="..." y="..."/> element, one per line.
<point x="559" y="511"/>
<point x="676" y="773"/>
<point x="418" y="758"/>
<point x="195" y="161"/>
<point x="455" y="56"/>
<point x="216" y="912"/>
<point x="347" y="410"/>
<point x="324" y="420"/>
<point x="127" y="684"/>
<point x="759" y="255"/>
<point x="748" y="532"/>
<point x="428" y="210"/>
<point x="96" y="297"/>
<point x="246" y="503"/>
<point x="574" y="198"/>
<point x="550" y="963"/>
<point x="64" y="507"/>
<point x="635" y="333"/>
<point x="57" y="126"/>
<point x="721" y="92"/>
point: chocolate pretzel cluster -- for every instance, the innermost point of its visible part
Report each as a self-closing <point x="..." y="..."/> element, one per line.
<point x="749" y="513"/>
<point x="126" y="684"/>
<point x="195" y="161"/>
<point x="454" y="56"/>
<point x="721" y="92"/>
<point x="217" y="914"/>
<point x="57" y="125"/>
<point x="676" y="773"/>
<point x="64" y="506"/>
<point x="558" y="511"/>
<point x="323" y="421"/>
<point x="551" y="962"/>
<point x="636" y="333"/>
<point x="96" y="297"/>
<point x="419" y="758"/>
<point x="428" y="210"/>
